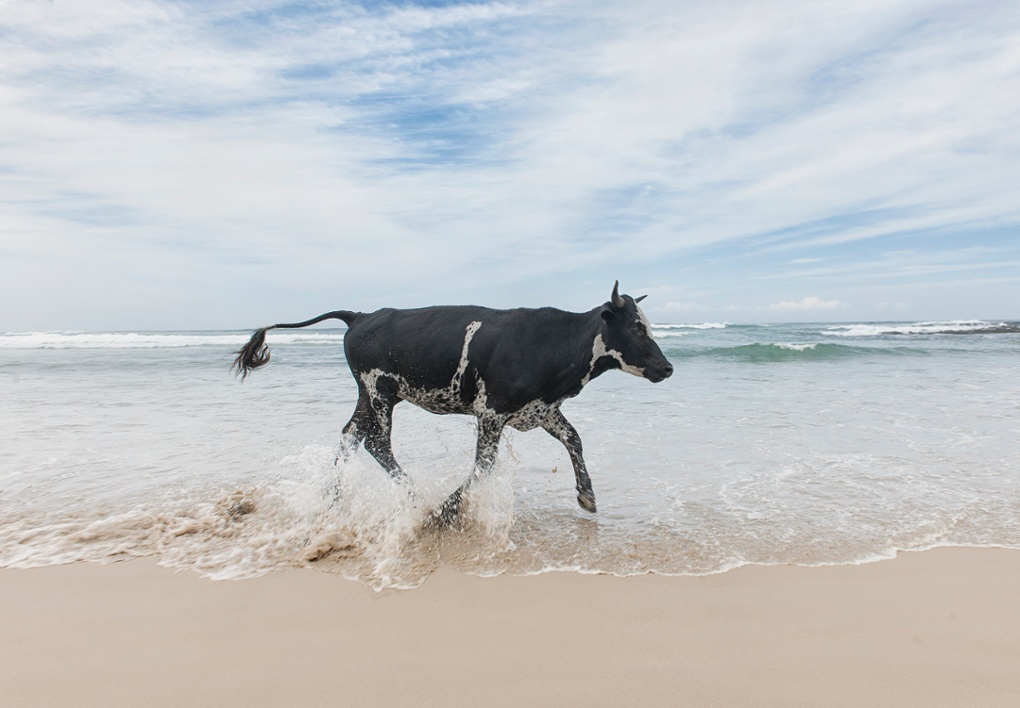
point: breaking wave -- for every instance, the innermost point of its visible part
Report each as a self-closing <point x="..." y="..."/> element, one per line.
<point x="666" y="331"/>
<point x="152" y="340"/>
<point x="923" y="328"/>
<point x="793" y="352"/>
<point x="703" y="325"/>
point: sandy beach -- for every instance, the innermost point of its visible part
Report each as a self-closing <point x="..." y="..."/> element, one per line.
<point x="939" y="628"/>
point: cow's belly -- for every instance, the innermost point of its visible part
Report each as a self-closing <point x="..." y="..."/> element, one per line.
<point x="448" y="401"/>
<point x="531" y="415"/>
<point x="441" y="401"/>
<point x="439" y="405"/>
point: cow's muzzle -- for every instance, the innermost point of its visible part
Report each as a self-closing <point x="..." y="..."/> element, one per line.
<point x="659" y="373"/>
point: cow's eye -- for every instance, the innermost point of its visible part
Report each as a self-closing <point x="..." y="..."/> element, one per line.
<point x="638" y="330"/>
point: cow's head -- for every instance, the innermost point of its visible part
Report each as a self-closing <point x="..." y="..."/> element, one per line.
<point x="627" y="337"/>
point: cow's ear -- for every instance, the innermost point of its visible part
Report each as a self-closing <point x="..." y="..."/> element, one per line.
<point x="607" y="313"/>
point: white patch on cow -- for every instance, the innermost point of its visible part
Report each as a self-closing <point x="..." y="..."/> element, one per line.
<point x="532" y="415"/>
<point x="599" y="350"/>
<point x="480" y="405"/>
<point x="441" y="400"/>
<point x="370" y="380"/>
<point x="624" y="366"/>
<point x="469" y="333"/>
<point x="643" y="319"/>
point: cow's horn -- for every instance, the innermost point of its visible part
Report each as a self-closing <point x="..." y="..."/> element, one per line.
<point x="616" y="299"/>
<point x="639" y="299"/>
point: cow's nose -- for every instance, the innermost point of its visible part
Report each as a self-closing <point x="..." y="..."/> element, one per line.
<point x="668" y="370"/>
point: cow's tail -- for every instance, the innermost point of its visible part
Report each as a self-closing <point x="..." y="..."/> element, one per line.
<point x="256" y="352"/>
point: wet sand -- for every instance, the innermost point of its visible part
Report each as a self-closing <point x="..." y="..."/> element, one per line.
<point x="939" y="628"/>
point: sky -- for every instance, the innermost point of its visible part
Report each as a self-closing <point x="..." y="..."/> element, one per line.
<point x="185" y="164"/>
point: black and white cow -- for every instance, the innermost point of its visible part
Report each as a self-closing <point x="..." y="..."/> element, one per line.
<point x="505" y="367"/>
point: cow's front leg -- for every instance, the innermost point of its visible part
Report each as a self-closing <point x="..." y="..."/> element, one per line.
<point x="561" y="429"/>
<point x="489" y="430"/>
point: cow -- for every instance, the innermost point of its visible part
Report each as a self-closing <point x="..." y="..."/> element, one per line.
<point x="505" y="367"/>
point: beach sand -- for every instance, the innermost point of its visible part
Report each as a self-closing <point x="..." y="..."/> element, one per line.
<point x="939" y="628"/>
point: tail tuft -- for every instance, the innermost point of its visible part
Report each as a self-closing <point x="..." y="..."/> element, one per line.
<point x="253" y="354"/>
<point x="256" y="353"/>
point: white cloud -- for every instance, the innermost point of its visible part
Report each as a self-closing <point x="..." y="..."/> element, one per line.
<point x="806" y="304"/>
<point x="886" y="307"/>
<point x="375" y="155"/>
<point x="673" y="307"/>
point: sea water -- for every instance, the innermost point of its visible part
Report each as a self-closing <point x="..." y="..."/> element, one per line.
<point x="786" y="444"/>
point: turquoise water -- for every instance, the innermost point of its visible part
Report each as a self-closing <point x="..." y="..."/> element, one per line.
<point x="802" y="443"/>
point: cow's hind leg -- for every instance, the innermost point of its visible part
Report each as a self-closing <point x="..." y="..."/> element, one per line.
<point x="377" y="438"/>
<point x="370" y="425"/>
<point x="561" y="429"/>
<point x="489" y="430"/>
<point x="356" y="429"/>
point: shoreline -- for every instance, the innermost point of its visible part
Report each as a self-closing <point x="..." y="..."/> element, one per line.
<point x="935" y="628"/>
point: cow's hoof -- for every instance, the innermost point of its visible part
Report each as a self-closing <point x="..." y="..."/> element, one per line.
<point x="336" y="494"/>
<point x="407" y="484"/>
<point x="586" y="500"/>
<point x="447" y="514"/>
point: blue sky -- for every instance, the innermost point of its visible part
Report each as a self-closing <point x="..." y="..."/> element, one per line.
<point x="193" y="165"/>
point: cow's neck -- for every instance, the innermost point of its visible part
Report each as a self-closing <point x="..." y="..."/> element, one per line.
<point x="584" y="358"/>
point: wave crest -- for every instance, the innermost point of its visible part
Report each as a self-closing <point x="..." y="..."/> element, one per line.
<point x="149" y="340"/>
<point x="794" y="352"/>
<point x="923" y="328"/>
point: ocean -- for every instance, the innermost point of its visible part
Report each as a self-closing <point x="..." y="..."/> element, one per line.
<point x="806" y="444"/>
